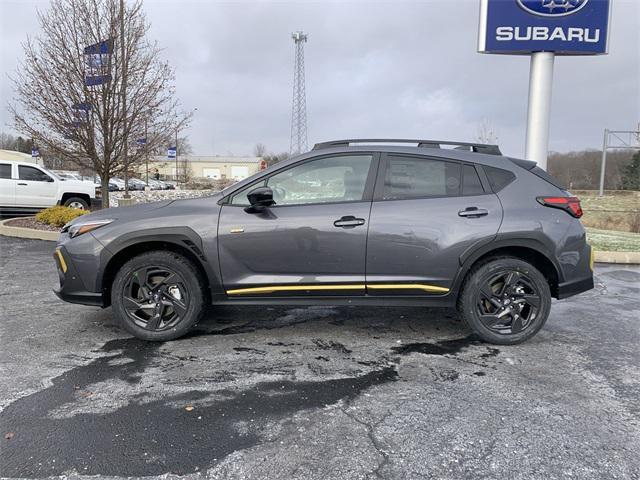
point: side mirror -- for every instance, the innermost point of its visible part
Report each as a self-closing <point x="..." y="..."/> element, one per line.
<point x="49" y="179"/>
<point x="259" y="198"/>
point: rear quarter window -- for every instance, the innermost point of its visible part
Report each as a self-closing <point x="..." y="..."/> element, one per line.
<point x="498" y="177"/>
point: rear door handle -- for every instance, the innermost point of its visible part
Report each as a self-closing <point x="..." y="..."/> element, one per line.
<point x="22" y="184"/>
<point x="348" y="221"/>
<point x="473" y="212"/>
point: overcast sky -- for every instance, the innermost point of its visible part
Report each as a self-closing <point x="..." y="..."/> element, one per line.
<point x="394" y="69"/>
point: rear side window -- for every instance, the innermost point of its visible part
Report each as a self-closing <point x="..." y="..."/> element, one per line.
<point x="33" y="174"/>
<point x="412" y="177"/>
<point x="545" y="176"/>
<point x="470" y="181"/>
<point x="498" y="177"/>
<point x="5" y="170"/>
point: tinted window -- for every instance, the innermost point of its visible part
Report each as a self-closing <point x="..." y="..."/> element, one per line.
<point x="5" y="170"/>
<point x="411" y="177"/>
<point x="545" y="176"/>
<point x="470" y="181"/>
<point x="240" y="198"/>
<point x="498" y="178"/>
<point x="32" y="173"/>
<point x="326" y="180"/>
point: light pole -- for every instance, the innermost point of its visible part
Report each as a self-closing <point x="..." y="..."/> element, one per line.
<point x="124" y="103"/>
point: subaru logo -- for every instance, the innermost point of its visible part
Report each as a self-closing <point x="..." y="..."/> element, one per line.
<point x="552" y="8"/>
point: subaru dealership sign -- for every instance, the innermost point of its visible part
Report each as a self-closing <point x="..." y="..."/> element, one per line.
<point x="565" y="27"/>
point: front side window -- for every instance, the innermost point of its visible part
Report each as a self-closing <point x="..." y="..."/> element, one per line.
<point x="325" y="180"/>
<point x="32" y="174"/>
<point x="412" y="177"/>
<point x="5" y="170"/>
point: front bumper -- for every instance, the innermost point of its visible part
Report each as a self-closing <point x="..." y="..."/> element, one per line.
<point x="71" y="287"/>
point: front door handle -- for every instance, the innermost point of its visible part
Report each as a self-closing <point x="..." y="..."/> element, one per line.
<point x="473" y="212"/>
<point x="22" y="184"/>
<point x="348" y="221"/>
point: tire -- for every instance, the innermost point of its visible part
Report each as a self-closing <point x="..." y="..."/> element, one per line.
<point x="509" y="316"/>
<point x="158" y="296"/>
<point x="76" y="202"/>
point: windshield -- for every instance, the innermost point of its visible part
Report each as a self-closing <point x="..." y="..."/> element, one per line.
<point x="49" y="172"/>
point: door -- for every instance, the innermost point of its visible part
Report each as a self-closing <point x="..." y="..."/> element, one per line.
<point x="311" y="242"/>
<point x="35" y="188"/>
<point x="426" y="213"/>
<point x="238" y="172"/>
<point x="7" y="186"/>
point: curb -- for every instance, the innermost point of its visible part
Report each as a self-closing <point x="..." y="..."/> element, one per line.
<point x="22" y="232"/>
<point x="617" y="257"/>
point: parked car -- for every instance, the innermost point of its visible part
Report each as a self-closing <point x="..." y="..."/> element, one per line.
<point x="415" y="225"/>
<point x="26" y="188"/>
<point x="156" y="185"/>
<point x="136" y="184"/>
<point x="118" y="182"/>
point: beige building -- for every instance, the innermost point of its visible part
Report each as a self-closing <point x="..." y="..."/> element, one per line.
<point x="12" y="155"/>
<point x="207" y="166"/>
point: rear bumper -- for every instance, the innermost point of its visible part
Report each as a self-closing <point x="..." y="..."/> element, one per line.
<point x="71" y="287"/>
<point x="574" y="287"/>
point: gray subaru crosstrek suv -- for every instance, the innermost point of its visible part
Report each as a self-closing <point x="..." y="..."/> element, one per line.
<point x="352" y="222"/>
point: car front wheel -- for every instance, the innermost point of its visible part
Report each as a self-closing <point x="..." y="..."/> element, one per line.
<point x="505" y="300"/>
<point x="158" y="296"/>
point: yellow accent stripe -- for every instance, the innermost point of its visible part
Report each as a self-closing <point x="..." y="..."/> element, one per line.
<point x="293" y="288"/>
<point x="402" y="286"/>
<point x="297" y="288"/>
<point x="63" y="264"/>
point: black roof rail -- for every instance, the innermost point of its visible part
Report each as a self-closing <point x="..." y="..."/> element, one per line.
<point x="468" y="146"/>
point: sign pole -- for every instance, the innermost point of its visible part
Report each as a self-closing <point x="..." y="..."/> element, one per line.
<point x="603" y="165"/>
<point x="539" y="108"/>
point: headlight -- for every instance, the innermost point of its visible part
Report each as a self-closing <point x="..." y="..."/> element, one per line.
<point x="84" y="227"/>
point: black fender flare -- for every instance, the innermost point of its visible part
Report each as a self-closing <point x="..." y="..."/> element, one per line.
<point x="534" y="241"/>
<point x="183" y="238"/>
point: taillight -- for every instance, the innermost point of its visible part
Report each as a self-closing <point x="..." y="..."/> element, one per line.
<point x="571" y="205"/>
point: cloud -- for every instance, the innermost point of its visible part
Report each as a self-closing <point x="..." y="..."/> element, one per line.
<point x="404" y="69"/>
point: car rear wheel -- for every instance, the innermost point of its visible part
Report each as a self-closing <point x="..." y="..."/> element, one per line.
<point x="158" y="295"/>
<point x="76" y="202"/>
<point x="505" y="300"/>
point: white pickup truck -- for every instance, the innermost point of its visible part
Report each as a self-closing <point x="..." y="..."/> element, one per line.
<point x="27" y="187"/>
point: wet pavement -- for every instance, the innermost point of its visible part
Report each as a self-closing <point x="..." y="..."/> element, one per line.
<point x="315" y="392"/>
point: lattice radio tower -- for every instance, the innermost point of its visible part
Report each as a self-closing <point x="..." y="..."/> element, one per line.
<point x="299" y="104"/>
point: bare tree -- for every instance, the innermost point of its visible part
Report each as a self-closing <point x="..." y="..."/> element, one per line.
<point x="486" y="133"/>
<point x="260" y="150"/>
<point x="89" y="124"/>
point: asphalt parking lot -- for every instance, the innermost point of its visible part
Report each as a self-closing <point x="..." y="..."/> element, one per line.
<point x="322" y="393"/>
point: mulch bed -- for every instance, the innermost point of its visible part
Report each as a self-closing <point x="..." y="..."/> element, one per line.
<point x="31" y="222"/>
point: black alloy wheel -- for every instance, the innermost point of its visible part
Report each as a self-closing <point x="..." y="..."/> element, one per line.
<point x="508" y="302"/>
<point x="155" y="298"/>
<point x="159" y="295"/>
<point x="505" y="300"/>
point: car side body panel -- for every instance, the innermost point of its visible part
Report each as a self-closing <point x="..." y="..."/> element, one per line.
<point x="421" y="240"/>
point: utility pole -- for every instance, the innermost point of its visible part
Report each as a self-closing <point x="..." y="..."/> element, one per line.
<point x="177" y="176"/>
<point x="146" y="149"/>
<point x="124" y="103"/>
<point x="299" y="105"/>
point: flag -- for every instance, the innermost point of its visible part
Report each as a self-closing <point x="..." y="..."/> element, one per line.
<point x="96" y="59"/>
<point x="141" y="141"/>
<point x="171" y="152"/>
<point x="35" y="152"/>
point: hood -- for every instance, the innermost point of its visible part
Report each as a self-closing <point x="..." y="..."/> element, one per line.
<point x="122" y="213"/>
<point x="77" y="183"/>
